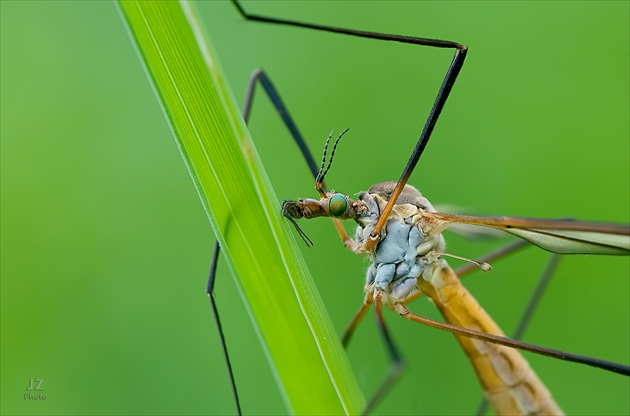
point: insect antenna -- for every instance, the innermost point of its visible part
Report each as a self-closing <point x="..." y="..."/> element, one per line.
<point x="319" y="181"/>
<point x="320" y="175"/>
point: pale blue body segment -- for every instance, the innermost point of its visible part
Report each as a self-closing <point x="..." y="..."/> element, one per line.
<point x="395" y="258"/>
<point x="397" y="262"/>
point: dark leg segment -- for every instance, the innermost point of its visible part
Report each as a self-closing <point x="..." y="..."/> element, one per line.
<point x="403" y="311"/>
<point x="397" y="363"/>
<point x="215" y="311"/>
<point x="397" y="366"/>
<point x="356" y="319"/>
<point x="260" y="76"/>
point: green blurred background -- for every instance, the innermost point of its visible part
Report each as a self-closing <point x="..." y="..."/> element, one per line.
<point x="106" y="248"/>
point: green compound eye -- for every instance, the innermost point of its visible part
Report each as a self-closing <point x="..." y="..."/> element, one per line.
<point x="337" y="205"/>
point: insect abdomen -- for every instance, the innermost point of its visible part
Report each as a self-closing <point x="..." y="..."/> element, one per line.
<point x="510" y="384"/>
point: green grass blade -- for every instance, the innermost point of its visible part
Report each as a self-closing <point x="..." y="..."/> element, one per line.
<point x="296" y="333"/>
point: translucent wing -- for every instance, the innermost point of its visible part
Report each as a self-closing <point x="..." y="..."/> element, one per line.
<point x="558" y="236"/>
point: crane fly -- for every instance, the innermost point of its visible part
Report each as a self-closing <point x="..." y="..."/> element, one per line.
<point x="451" y="218"/>
<point x="406" y="257"/>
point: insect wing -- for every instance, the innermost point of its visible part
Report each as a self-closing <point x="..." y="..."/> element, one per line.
<point x="558" y="236"/>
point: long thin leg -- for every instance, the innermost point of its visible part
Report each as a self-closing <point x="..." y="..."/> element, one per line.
<point x="442" y="96"/>
<point x="541" y="286"/>
<point x="397" y="364"/>
<point x="260" y="76"/>
<point x="357" y="318"/>
<point x="403" y="311"/>
<point x="538" y="293"/>
<point x="215" y="311"/>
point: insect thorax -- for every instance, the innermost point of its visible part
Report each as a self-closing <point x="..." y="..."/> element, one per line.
<point x="400" y="257"/>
